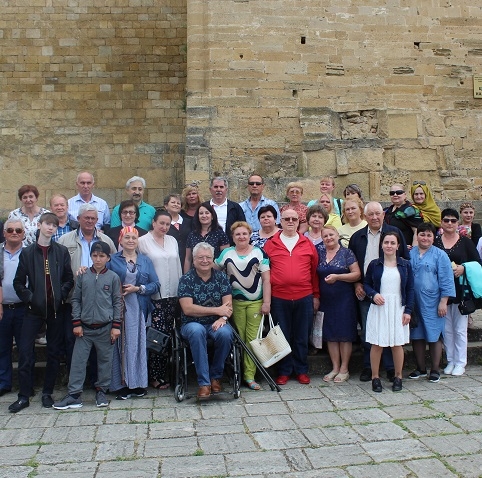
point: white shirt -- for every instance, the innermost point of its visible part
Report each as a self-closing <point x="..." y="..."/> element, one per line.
<point x="221" y="212"/>
<point x="373" y="247"/>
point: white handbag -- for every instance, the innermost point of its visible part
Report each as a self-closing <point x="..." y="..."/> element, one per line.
<point x="273" y="347"/>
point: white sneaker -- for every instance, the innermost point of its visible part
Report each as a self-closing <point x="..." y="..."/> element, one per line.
<point x="458" y="370"/>
<point x="449" y="368"/>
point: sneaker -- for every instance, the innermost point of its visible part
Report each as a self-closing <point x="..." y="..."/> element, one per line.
<point x="68" y="402"/>
<point x="138" y="392"/>
<point x="397" y="384"/>
<point x="123" y="394"/>
<point x="47" y="401"/>
<point x="366" y="375"/>
<point x="434" y="377"/>
<point x="41" y="341"/>
<point x="449" y="368"/>
<point x="416" y="374"/>
<point x="101" y="399"/>
<point x="458" y="370"/>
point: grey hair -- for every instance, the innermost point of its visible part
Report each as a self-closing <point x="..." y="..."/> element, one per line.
<point x="202" y="245"/>
<point x="371" y="203"/>
<point x="219" y="178"/>
<point x="85" y="172"/>
<point x="85" y="208"/>
<point x="134" y="179"/>
<point x="11" y="221"/>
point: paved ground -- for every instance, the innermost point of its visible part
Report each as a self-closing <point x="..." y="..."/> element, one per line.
<point x="316" y="431"/>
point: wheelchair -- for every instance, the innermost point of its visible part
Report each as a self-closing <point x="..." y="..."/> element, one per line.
<point x="182" y="363"/>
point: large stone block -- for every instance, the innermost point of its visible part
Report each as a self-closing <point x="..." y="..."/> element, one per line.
<point x="416" y="159"/>
<point x="402" y="126"/>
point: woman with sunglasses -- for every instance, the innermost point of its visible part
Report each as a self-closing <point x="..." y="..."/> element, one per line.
<point x="403" y="214"/>
<point x="424" y="201"/>
<point x="460" y="249"/>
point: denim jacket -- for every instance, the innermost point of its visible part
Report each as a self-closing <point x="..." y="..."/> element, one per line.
<point x="146" y="276"/>
<point x="373" y="279"/>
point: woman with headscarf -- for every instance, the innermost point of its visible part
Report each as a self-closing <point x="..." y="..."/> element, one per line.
<point x="423" y="199"/>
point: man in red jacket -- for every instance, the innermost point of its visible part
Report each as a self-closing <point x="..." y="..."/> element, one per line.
<point x="295" y="293"/>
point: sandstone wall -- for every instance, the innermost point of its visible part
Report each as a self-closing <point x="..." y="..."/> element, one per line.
<point x="371" y="92"/>
<point x="96" y="85"/>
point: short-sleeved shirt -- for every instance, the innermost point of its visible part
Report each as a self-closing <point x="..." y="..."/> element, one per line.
<point x="101" y="206"/>
<point x="146" y="214"/>
<point x="244" y="272"/>
<point x="215" y="238"/>
<point x="205" y="294"/>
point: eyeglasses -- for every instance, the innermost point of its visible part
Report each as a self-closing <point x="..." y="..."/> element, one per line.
<point x="447" y="220"/>
<point x="11" y="230"/>
<point x="398" y="192"/>
<point x="290" y="219"/>
<point x="129" y="213"/>
<point x="204" y="258"/>
<point x="254" y="183"/>
<point x="422" y="183"/>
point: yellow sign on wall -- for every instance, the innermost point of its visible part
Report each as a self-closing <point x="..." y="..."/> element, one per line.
<point x="478" y="86"/>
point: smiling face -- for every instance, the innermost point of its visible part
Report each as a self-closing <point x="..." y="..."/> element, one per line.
<point x="14" y="234"/>
<point x="128" y="215"/>
<point x="330" y="238"/>
<point x="390" y="245"/>
<point x="397" y="195"/>
<point x="327" y="186"/>
<point x="241" y="237"/>
<point x="129" y="241"/>
<point x="418" y="196"/>
<point x="374" y="215"/>
<point x="174" y="206"/>
<point x="467" y="215"/>
<point x="161" y="225"/>
<point x="352" y="211"/>
<point x="59" y="206"/>
<point x="205" y="217"/>
<point x="317" y="221"/>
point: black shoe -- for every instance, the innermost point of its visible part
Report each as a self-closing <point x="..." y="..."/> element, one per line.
<point x="397" y="384"/>
<point x="20" y="404"/>
<point x="3" y="391"/>
<point x="32" y="392"/>
<point x="366" y="375"/>
<point x="377" y="385"/>
<point x="390" y="375"/>
<point x="138" y="392"/>
<point x="123" y="394"/>
<point x="47" y="401"/>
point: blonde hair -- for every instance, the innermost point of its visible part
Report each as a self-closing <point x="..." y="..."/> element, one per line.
<point x="186" y="191"/>
<point x="330" y="197"/>
<point x="358" y="202"/>
<point x="241" y="224"/>
<point x="294" y="184"/>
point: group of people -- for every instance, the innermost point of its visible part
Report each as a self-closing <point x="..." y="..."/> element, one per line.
<point x="198" y="264"/>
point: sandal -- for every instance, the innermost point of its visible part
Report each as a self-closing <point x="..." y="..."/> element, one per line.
<point x="160" y="384"/>
<point x="330" y="376"/>
<point x="342" y="377"/>
<point x="252" y="385"/>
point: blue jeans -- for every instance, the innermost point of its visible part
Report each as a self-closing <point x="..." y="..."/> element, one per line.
<point x="197" y="334"/>
<point x="10" y="327"/>
<point x="295" y="318"/>
<point x="387" y="357"/>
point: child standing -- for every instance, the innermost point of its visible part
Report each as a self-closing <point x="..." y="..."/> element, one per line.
<point x="96" y="319"/>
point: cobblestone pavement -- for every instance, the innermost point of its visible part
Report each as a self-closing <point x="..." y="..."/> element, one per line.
<point x="316" y="431"/>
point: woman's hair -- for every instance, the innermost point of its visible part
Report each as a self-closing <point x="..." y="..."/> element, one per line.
<point x="316" y="208"/>
<point x="325" y="179"/>
<point x="128" y="203"/>
<point x="188" y="189"/>
<point x="353" y="189"/>
<point x="170" y="196"/>
<point x="196" y="224"/>
<point x="268" y="208"/>
<point x="427" y="227"/>
<point x="161" y="212"/>
<point x="26" y="188"/>
<point x="330" y="197"/>
<point x="241" y="224"/>
<point x="450" y="212"/>
<point x="294" y="184"/>
<point x="331" y="227"/>
<point x="466" y="205"/>
<point x="390" y="233"/>
<point x="358" y="202"/>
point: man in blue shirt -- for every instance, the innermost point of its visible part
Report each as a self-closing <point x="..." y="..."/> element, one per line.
<point x="256" y="201"/>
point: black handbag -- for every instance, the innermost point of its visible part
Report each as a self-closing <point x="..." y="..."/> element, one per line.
<point x="156" y="341"/>
<point x="468" y="303"/>
<point x="414" y="318"/>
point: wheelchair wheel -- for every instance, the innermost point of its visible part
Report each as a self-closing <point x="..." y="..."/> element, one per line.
<point x="179" y="394"/>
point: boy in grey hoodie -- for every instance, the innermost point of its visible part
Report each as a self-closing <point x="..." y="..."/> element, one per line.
<point x="96" y="320"/>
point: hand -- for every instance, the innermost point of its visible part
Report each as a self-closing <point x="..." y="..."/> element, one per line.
<point x="406" y="319"/>
<point x="218" y="324"/>
<point x="129" y="289"/>
<point x="225" y="310"/>
<point x="378" y="299"/>
<point x="359" y="291"/>
<point x="459" y="270"/>
<point x="81" y="270"/>
<point x="331" y="278"/>
<point x="114" y="335"/>
<point x="1" y="311"/>
<point x="78" y="331"/>
<point x="265" y="308"/>
<point x="316" y="304"/>
<point x="442" y="308"/>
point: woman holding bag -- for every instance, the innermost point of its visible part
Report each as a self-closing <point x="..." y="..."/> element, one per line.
<point x="247" y="267"/>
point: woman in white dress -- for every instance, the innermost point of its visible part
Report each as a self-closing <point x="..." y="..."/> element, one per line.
<point x="389" y="286"/>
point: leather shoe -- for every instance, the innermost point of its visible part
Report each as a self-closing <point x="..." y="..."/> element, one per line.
<point x="303" y="379"/>
<point x="216" y="385"/>
<point x="377" y="385"/>
<point x="397" y="384"/>
<point x="204" y="391"/>
<point x="47" y="401"/>
<point x="282" y="380"/>
<point x="20" y="404"/>
<point x="366" y="375"/>
<point x="3" y="391"/>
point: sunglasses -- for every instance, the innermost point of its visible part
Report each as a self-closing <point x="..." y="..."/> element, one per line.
<point x="11" y="230"/>
<point x="290" y="219"/>
<point x="254" y="183"/>
<point x="398" y="192"/>
<point x="422" y="183"/>
<point x="447" y="220"/>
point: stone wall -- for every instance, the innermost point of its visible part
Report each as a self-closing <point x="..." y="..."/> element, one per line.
<point x="91" y="85"/>
<point x="370" y="92"/>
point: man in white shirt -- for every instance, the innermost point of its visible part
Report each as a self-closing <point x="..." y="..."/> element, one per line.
<point x="85" y="184"/>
